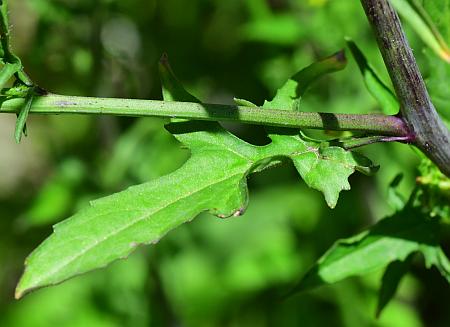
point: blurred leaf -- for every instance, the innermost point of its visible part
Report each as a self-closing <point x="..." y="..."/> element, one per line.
<point x="145" y="151"/>
<point x="435" y="256"/>
<point x="384" y="96"/>
<point x="7" y="72"/>
<point x="394" y="197"/>
<point x="90" y="301"/>
<point x="433" y="194"/>
<point x="392" y="239"/>
<point x="231" y="254"/>
<point x="439" y="70"/>
<point x="275" y="29"/>
<point x="51" y="11"/>
<point x="391" y="279"/>
<point x="57" y="196"/>
<point x="417" y="17"/>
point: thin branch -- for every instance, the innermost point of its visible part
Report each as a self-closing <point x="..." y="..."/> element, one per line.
<point x="59" y="104"/>
<point x="431" y="135"/>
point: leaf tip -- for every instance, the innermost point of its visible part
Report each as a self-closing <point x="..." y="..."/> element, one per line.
<point x="18" y="294"/>
<point x="445" y="55"/>
<point x="20" y="290"/>
<point x="164" y="60"/>
<point x="19" y="131"/>
<point x="340" y="56"/>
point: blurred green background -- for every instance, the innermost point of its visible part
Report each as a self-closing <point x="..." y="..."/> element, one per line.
<point x="211" y="272"/>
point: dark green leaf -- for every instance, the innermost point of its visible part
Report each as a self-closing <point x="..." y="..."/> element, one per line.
<point x="23" y="115"/>
<point x="390" y="282"/>
<point x="377" y="88"/>
<point x="392" y="239"/>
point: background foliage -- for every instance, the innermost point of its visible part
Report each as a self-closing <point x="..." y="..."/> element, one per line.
<point x="211" y="272"/>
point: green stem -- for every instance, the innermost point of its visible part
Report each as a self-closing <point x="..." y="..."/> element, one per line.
<point x="59" y="104"/>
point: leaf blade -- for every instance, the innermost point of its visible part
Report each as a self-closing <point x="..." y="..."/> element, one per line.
<point x="392" y="239"/>
<point x="119" y="223"/>
<point x="376" y="87"/>
<point x="391" y="279"/>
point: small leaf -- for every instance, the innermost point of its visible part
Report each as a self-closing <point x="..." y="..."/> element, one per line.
<point x="7" y="72"/>
<point x="289" y="95"/>
<point x="392" y="239"/>
<point x="377" y="88"/>
<point x="172" y="89"/>
<point x="244" y="103"/>
<point x="23" y="115"/>
<point x="390" y="282"/>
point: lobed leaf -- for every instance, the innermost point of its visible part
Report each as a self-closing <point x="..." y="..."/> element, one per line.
<point x="111" y="228"/>
<point x="214" y="179"/>
<point x="323" y="167"/>
<point x="326" y="168"/>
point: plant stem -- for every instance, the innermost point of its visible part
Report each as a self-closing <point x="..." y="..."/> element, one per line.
<point x="431" y="135"/>
<point x="59" y="104"/>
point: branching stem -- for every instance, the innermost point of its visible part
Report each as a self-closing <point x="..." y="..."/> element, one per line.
<point x="431" y="135"/>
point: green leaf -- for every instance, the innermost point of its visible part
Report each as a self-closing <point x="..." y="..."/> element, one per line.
<point x="172" y="89"/>
<point x="111" y="228"/>
<point x="433" y="194"/>
<point x="390" y="282"/>
<point x="23" y="115"/>
<point x="289" y="95"/>
<point x="439" y="70"/>
<point x="323" y="167"/>
<point x="435" y="256"/>
<point x="7" y="72"/>
<point x="392" y="239"/>
<point x="327" y="168"/>
<point x="5" y="52"/>
<point x="274" y="29"/>
<point x="214" y="179"/>
<point x="422" y="24"/>
<point x="244" y="103"/>
<point x="377" y="88"/>
<point x="394" y="198"/>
